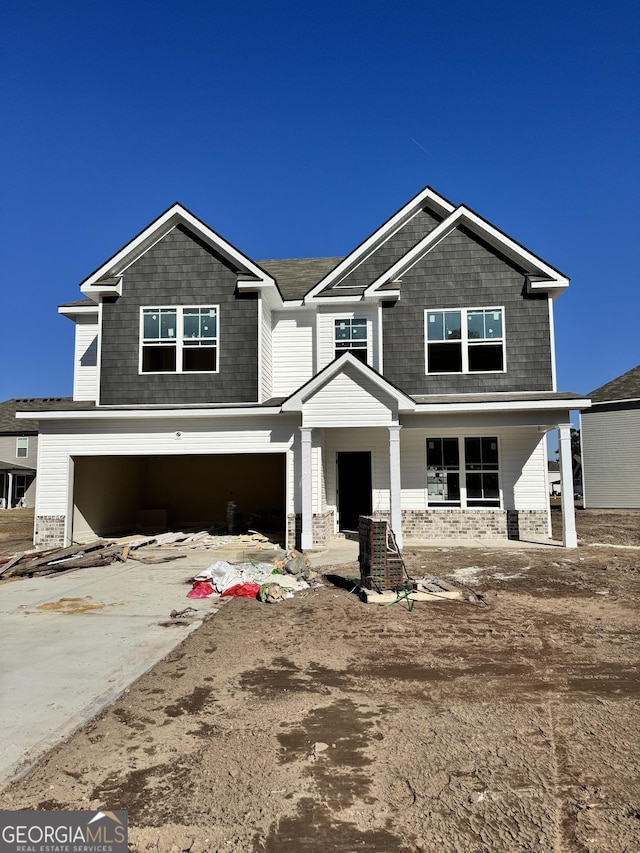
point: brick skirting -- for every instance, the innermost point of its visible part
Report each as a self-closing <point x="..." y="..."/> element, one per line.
<point x="49" y="531"/>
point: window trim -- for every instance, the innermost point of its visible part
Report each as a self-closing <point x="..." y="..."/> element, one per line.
<point x="24" y="446"/>
<point x="463" y="471"/>
<point x="465" y="340"/>
<point x="351" y="319"/>
<point x="179" y="340"/>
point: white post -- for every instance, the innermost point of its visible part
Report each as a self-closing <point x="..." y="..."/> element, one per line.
<point x="10" y="489"/>
<point x="307" y="486"/>
<point x="395" y="485"/>
<point x="569" y="534"/>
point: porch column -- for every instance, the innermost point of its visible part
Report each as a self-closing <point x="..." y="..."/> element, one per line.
<point x="395" y="496"/>
<point x="569" y="535"/>
<point x="307" y="489"/>
<point x="9" y="489"/>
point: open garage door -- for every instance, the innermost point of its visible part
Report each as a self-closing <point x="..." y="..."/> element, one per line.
<point x="118" y="495"/>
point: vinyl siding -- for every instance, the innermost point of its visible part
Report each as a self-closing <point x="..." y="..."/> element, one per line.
<point x="348" y="400"/>
<point x="611" y="459"/>
<point x="85" y="374"/>
<point x="463" y="272"/>
<point x="374" y="440"/>
<point x="293" y="362"/>
<point x="145" y="437"/>
<point x="326" y="332"/>
<point x="266" y="353"/>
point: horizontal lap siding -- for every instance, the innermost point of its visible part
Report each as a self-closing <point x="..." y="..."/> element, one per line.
<point x="144" y="438"/>
<point x="348" y="401"/>
<point x="85" y="376"/>
<point x="293" y="362"/>
<point x="266" y="354"/>
<point x="326" y="333"/>
<point x="611" y="459"/>
<point x="346" y="440"/>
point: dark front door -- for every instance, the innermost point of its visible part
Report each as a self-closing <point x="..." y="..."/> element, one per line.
<point x="354" y="488"/>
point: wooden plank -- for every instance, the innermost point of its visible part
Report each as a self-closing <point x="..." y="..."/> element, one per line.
<point x="369" y="596"/>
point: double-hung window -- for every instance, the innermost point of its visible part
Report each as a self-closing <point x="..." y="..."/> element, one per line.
<point x="351" y="336"/>
<point x="463" y="472"/>
<point x="22" y="448"/>
<point x="465" y="340"/>
<point x="179" y="339"/>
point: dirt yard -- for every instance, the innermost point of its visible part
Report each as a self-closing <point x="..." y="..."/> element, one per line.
<point x="322" y="724"/>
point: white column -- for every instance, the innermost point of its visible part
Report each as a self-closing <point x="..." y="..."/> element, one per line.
<point x="307" y="489"/>
<point x="10" y="489"/>
<point x="395" y="485"/>
<point x="569" y="535"/>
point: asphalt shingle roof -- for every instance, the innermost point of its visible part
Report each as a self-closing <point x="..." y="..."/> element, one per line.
<point x="9" y="425"/>
<point x="296" y="276"/>
<point x="625" y="387"/>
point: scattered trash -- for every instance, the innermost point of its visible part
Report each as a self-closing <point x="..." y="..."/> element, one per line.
<point x="183" y="614"/>
<point x="201" y="589"/>
<point x="241" y="590"/>
<point x="264" y="580"/>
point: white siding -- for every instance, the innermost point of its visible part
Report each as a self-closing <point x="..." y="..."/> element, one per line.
<point x="522" y="465"/>
<point x="293" y="362"/>
<point x="85" y="374"/>
<point x="611" y="459"/>
<point x="146" y="437"/>
<point x="349" y="401"/>
<point x="266" y="353"/>
<point x="326" y="332"/>
<point x="374" y="440"/>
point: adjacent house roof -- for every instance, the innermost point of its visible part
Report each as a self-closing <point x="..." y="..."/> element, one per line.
<point x="625" y="387"/>
<point x="10" y="426"/>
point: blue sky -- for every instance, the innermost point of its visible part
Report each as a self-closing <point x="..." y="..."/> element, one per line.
<point x="295" y="129"/>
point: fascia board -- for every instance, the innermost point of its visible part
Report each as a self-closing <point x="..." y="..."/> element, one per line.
<point x="554" y="281"/>
<point x="295" y="402"/>
<point x="81" y="309"/>
<point x="175" y="215"/>
<point x="418" y="201"/>
<point x="507" y="406"/>
<point x="147" y="414"/>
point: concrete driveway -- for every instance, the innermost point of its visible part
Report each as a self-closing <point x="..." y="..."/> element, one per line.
<point x="72" y="643"/>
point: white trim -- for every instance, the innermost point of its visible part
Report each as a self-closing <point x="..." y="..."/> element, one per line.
<point x="296" y="401"/>
<point x="552" y="338"/>
<point x="306" y="478"/>
<point x="380" y="366"/>
<point x="569" y="534"/>
<point x="463" y="503"/>
<point x="99" y="359"/>
<point x="380" y="236"/>
<point x="554" y="281"/>
<point x="507" y="406"/>
<point x="260" y="382"/>
<point x="465" y="340"/>
<point x="615" y="402"/>
<point x="251" y="411"/>
<point x="179" y="340"/>
<point x="98" y="281"/>
<point x="71" y="312"/>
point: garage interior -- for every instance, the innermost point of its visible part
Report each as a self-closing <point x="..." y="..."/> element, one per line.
<point x="121" y="495"/>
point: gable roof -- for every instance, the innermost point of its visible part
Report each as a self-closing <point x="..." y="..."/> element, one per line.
<point x="296" y="276"/>
<point x="625" y="387"/>
<point x="107" y="278"/>
<point x="295" y="401"/>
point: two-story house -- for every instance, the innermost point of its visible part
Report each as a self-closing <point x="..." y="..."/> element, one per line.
<point x="413" y="378"/>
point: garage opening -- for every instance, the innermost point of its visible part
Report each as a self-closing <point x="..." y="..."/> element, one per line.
<point x="118" y="495"/>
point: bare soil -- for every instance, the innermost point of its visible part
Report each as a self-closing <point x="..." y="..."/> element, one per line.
<point x="16" y="531"/>
<point x="509" y="723"/>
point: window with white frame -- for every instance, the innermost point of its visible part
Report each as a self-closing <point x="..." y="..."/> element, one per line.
<point x="463" y="472"/>
<point x="465" y="340"/>
<point x="179" y="339"/>
<point x="22" y="448"/>
<point x="351" y="336"/>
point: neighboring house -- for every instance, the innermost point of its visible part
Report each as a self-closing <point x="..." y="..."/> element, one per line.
<point x="554" y="485"/>
<point x="414" y="378"/>
<point x="18" y="453"/>
<point x="611" y="444"/>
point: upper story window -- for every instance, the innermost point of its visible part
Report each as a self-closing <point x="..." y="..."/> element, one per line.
<point x="22" y="448"/>
<point x="465" y="340"/>
<point x="179" y="340"/>
<point x="351" y="336"/>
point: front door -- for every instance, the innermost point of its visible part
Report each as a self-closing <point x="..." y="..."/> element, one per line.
<point x="354" y="488"/>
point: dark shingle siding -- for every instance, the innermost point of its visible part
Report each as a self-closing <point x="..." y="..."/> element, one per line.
<point x="461" y="272"/>
<point x="180" y="270"/>
<point x="389" y="252"/>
